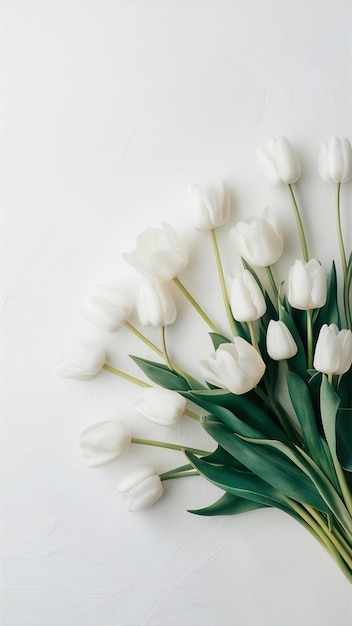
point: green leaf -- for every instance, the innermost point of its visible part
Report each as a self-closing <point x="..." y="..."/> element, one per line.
<point x="218" y="339"/>
<point x="303" y="406"/>
<point x="161" y="375"/>
<point x="228" y="504"/>
<point x="344" y="438"/>
<point x="329" y="404"/>
<point x="329" y="313"/>
<point x="270" y="465"/>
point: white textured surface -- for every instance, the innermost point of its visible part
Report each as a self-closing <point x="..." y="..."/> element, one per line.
<point x="110" y="109"/>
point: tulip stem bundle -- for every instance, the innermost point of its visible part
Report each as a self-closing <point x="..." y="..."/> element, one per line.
<point x="299" y="223"/>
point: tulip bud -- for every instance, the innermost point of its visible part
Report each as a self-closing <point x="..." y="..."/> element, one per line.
<point x="81" y="361"/>
<point x="279" y="341"/>
<point x="246" y="298"/>
<point x="335" y="160"/>
<point x="237" y="367"/>
<point x="141" y="487"/>
<point x="280" y="162"/>
<point x="159" y="254"/>
<point x="155" y="305"/>
<point x="104" y="442"/>
<point x="258" y="239"/>
<point x="107" y="308"/>
<point x="162" y="406"/>
<point x="307" y="287"/>
<point x="333" y="351"/>
<point x="209" y="204"/>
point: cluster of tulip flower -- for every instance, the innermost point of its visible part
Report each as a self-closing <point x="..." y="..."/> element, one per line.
<point x="298" y="460"/>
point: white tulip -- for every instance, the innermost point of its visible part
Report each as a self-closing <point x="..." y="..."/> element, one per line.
<point x="279" y="341"/>
<point x="258" y="239"/>
<point x="108" y="308"/>
<point x="333" y="351"/>
<point x="279" y="162"/>
<point x="160" y="255"/>
<point x="142" y="487"/>
<point x="246" y="298"/>
<point x="209" y="204"/>
<point x="81" y="361"/>
<point x="335" y="160"/>
<point x="162" y="406"/>
<point x="307" y="287"/>
<point x="104" y="442"/>
<point x="155" y="304"/>
<point x="237" y="367"/>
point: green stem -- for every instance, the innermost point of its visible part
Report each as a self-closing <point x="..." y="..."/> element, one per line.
<point x="346" y="300"/>
<point x="272" y="282"/>
<point x="225" y="297"/>
<point x="309" y="339"/>
<point x="178" y="474"/>
<point x="195" y="304"/>
<point x="193" y="415"/>
<point x="282" y="416"/>
<point x="163" y="343"/>
<point x="338" y="542"/>
<point x="254" y="341"/>
<point x="169" y="446"/>
<point x="128" y="377"/>
<point x="343" y="484"/>
<point x="299" y="223"/>
<point x="143" y="338"/>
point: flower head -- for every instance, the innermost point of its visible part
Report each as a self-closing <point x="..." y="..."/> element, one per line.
<point x="246" y="298"/>
<point x="104" y="442"/>
<point x="335" y="160"/>
<point x="81" y="361"/>
<point x="142" y="487"/>
<point x="209" y="204"/>
<point x="108" y="308"/>
<point x="333" y="352"/>
<point x="155" y="304"/>
<point x="258" y="239"/>
<point x="279" y="162"/>
<point x="279" y="341"/>
<point x="237" y="367"/>
<point x="162" y="406"/>
<point x="307" y="285"/>
<point x="159" y="254"/>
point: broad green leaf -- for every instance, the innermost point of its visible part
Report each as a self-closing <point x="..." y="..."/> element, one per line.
<point x="344" y="438"/>
<point x="243" y="484"/>
<point x="161" y="375"/>
<point x="243" y="406"/>
<point x="270" y="465"/>
<point x="221" y="457"/>
<point x="218" y="339"/>
<point x="303" y="406"/>
<point x="228" y="504"/>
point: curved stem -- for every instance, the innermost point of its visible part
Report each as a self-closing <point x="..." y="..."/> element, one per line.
<point x="163" y="343"/>
<point x="272" y="282"/>
<point x="254" y="341"/>
<point x="131" y="379"/>
<point x="195" y="304"/>
<point x="143" y="338"/>
<point x="299" y="223"/>
<point x="169" y="446"/>
<point x="225" y="297"/>
<point x="338" y="542"/>
<point x="309" y="339"/>
<point x="346" y="300"/>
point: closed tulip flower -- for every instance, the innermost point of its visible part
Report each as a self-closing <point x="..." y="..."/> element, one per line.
<point x="142" y="487"/>
<point x="81" y="361"/>
<point x="279" y="341"/>
<point x="237" y="367"/>
<point x="108" y="308"/>
<point x="104" y="442"/>
<point x="259" y="239"/>
<point x="160" y="255"/>
<point x="162" y="406"/>
<point x="335" y="160"/>
<point x="279" y="162"/>
<point x="209" y="204"/>
<point x="246" y="298"/>
<point x="155" y="305"/>
<point x="307" y="285"/>
<point x="333" y="352"/>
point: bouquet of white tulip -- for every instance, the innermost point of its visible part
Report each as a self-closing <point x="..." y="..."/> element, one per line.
<point x="297" y="459"/>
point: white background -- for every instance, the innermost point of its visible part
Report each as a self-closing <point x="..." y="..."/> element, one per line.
<point x="110" y="109"/>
